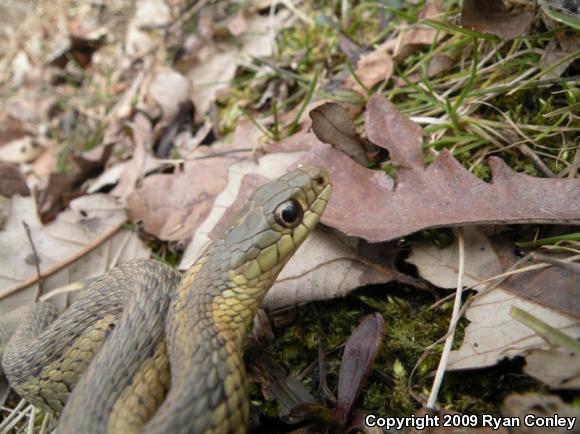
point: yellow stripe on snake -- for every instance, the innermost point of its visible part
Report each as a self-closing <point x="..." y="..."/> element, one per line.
<point x="147" y="350"/>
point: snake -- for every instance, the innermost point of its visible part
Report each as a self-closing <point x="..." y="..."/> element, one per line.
<point x="145" y="349"/>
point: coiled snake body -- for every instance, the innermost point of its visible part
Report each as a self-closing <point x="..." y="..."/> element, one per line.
<point x="164" y="351"/>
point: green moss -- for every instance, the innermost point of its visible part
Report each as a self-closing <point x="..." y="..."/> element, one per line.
<point x="410" y="327"/>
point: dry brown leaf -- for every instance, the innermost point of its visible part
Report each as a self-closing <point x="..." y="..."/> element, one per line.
<point x="439" y="63"/>
<point x="168" y="89"/>
<point x="554" y="287"/>
<point x="21" y="150"/>
<point x="82" y="242"/>
<point x="493" y="17"/>
<point x="418" y="35"/>
<point x="541" y="406"/>
<point x="371" y="205"/>
<point x="372" y="68"/>
<point x="212" y="74"/>
<point x="565" y="44"/>
<point x="378" y="65"/>
<point x="332" y="125"/>
<point x="248" y="135"/>
<point x="30" y="110"/>
<point x="12" y="181"/>
<point x="327" y="267"/>
<point x="94" y="159"/>
<point x="141" y="36"/>
<point x="77" y="46"/>
<point x="217" y="64"/>
<point x="142" y="160"/>
<point x="237" y="25"/>
<point x="492" y="333"/>
<point x="305" y="122"/>
<point x="57" y="189"/>
<point x="126" y="174"/>
<point x="193" y="189"/>
<point x="20" y="69"/>
<point x="43" y="166"/>
<point x="557" y="367"/>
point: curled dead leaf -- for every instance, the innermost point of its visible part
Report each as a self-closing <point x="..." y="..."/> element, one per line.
<point x="21" y="150"/>
<point x="360" y="352"/>
<point x="332" y="125"/>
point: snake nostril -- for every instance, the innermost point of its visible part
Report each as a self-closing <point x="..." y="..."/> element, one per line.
<point x="319" y="180"/>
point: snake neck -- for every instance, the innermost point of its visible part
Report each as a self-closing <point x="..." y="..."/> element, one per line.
<point x="230" y="300"/>
<point x="234" y="309"/>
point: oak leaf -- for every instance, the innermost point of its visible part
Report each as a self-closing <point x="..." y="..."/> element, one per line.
<point x="371" y="205"/>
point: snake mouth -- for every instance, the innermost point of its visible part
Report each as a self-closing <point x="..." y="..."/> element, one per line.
<point x="319" y="177"/>
<point x="322" y="189"/>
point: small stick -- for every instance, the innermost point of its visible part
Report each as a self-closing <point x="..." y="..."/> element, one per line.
<point x="540" y="165"/>
<point x="59" y="266"/>
<point x="39" y="279"/>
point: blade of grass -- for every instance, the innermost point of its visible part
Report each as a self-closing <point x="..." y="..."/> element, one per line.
<point x="545" y="330"/>
<point x="294" y="126"/>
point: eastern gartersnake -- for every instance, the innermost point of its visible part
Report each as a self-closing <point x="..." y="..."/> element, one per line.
<point x="164" y="352"/>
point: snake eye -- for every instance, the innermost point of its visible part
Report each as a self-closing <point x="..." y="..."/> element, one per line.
<point x="288" y="214"/>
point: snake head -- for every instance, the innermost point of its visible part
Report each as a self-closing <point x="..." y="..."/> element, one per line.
<point x="274" y="222"/>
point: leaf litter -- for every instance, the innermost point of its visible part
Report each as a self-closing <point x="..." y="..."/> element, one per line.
<point x="81" y="242"/>
<point x="548" y="293"/>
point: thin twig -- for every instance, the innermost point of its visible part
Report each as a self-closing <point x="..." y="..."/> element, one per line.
<point x="59" y="266"/>
<point x="431" y="402"/>
<point x="204" y="157"/>
<point x="40" y="290"/>
<point x="187" y="15"/>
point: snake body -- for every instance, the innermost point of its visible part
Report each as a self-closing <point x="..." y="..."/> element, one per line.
<point x="145" y="349"/>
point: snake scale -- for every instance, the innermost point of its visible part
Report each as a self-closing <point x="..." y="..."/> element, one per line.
<point x="146" y="350"/>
